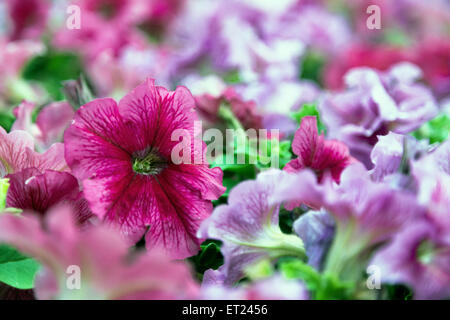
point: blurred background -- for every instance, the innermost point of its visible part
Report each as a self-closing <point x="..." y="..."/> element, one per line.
<point x="279" y="54"/>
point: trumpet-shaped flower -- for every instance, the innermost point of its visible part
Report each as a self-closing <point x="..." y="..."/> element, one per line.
<point x="123" y="154"/>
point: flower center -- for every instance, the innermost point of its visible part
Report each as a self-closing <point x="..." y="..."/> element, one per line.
<point x="150" y="164"/>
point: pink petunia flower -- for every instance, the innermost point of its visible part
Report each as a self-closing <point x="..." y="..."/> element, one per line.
<point x="17" y="153"/>
<point x="122" y="153"/>
<point x="28" y="17"/>
<point x="316" y="153"/>
<point x="98" y="255"/>
<point x="50" y="124"/>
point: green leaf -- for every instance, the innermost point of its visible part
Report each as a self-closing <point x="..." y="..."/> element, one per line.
<point x="6" y="120"/>
<point x="321" y="286"/>
<point x="16" y="269"/>
<point x="312" y="66"/>
<point x="435" y="130"/>
<point x="209" y="256"/>
<point x="309" y="110"/>
<point x="51" y="69"/>
<point x="4" y="186"/>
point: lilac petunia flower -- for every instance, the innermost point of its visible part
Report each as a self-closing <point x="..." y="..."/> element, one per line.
<point x="419" y="256"/>
<point x="123" y="155"/>
<point x="392" y="156"/>
<point x="366" y="214"/>
<point x="376" y="103"/>
<point x="98" y="255"/>
<point x="248" y="226"/>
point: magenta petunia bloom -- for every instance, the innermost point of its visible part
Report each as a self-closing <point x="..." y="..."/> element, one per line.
<point x="122" y="154"/>
<point x="35" y="191"/>
<point x="99" y="255"/>
<point x="28" y="17"/>
<point x="316" y="153"/>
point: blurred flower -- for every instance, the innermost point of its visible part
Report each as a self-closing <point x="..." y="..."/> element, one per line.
<point x="379" y="57"/>
<point x="14" y="55"/>
<point x="393" y="153"/>
<point x="248" y="226"/>
<point x="209" y="107"/>
<point x="116" y="75"/>
<point x="17" y="153"/>
<point x="418" y="256"/>
<point x="273" y="288"/>
<point x="28" y="18"/>
<point x="51" y="122"/>
<point x="434" y="59"/>
<point x="374" y="104"/>
<point x="122" y="154"/>
<point x="106" y="269"/>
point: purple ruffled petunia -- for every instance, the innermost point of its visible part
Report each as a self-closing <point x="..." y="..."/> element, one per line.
<point x="248" y="226"/>
<point x="376" y="103"/>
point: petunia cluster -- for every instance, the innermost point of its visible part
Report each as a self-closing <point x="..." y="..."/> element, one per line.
<point x="109" y="189"/>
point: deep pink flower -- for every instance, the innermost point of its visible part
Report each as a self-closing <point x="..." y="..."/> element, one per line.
<point x="380" y="57"/>
<point x="122" y="153"/>
<point x="107" y="269"/>
<point x="31" y="190"/>
<point x="29" y="17"/>
<point x="17" y="153"/>
<point x="316" y="153"/>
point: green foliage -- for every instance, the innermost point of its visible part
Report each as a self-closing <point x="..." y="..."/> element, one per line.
<point x="209" y="257"/>
<point x="435" y="130"/>
<point x="397" y="292"/>
<point x="6" y="120"/>
<point x="51" y="69"/>
<point x="309" y="110"/>
<point x="312" y="66"/>
<point x="16" y="269"/>
<point x="321" y="286"/>
<point x="4" y="186"/>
